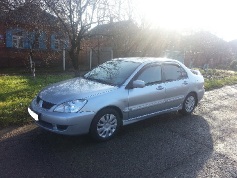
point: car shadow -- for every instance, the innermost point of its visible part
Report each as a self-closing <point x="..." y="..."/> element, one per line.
<point x="170" y="145"/>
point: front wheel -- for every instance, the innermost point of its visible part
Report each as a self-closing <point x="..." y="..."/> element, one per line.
<point x="105" y="125"/>
<point x="189" y="104"/>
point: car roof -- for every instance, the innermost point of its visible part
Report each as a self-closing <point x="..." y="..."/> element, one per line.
<point x="146" y="60"/>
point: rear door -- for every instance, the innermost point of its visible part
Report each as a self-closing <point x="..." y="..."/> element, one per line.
<point x="176" y="84"/>
<point x="151" y="98"/>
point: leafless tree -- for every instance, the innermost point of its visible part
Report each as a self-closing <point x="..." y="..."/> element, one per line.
<point x="76" y="18"/>
<point x="7" y="5"/>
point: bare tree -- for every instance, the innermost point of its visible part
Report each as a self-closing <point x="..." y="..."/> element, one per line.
<point x="76" y="18"/>
<point x="6" y="5"/>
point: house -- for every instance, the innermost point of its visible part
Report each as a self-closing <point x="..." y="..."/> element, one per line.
<point x="30" y="29"/>
<point x="107" y="41"/>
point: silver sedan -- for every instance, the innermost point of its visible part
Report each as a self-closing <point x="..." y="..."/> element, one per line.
<point x="116" y="93"/>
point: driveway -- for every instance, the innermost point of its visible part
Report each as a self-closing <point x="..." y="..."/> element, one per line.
<point x="201" y="145"/>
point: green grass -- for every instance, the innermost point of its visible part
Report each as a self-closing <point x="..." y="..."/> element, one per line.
<point x="218" y="78"/>
<point x="16" y="93"/>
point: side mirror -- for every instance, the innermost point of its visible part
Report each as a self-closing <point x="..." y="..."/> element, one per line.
<point x="138" y="84"/>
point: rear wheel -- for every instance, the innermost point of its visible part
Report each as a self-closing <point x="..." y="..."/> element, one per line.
<point x="189" y="104"/>
<point x="105" y="125"/>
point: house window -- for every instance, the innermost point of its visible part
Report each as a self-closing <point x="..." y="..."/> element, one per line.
<point x="42" y="40"/>
<point x="39" y="40"/>
<point x="65" y="44"/>
<point x="18" y="38"/>
<point x="1" y="41"/>
<point x="35" y="42"/>
<point x="15" y="38"/>
<point x="57" y="44"/>
<point x="17" y="41"/>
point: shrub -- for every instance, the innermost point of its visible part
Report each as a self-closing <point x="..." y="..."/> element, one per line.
<point x="233" y="65"/>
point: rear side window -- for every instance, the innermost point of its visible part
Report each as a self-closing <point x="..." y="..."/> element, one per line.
<point x="174" y="72"/>
<point x="150" y="75"/>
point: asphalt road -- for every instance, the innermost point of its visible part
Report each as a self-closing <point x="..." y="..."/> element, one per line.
<point x="201" y="145"/>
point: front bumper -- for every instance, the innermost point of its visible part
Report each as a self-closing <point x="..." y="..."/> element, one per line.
<point x="61" y="123"/>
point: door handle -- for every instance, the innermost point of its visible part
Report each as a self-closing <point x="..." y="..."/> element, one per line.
<point x="185" y="83"/>
<point x="160" y="88"/>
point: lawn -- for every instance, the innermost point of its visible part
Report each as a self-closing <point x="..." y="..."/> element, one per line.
<point x="17" y="91"/>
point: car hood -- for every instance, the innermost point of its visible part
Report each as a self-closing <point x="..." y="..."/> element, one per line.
<point x="77" y="88"/>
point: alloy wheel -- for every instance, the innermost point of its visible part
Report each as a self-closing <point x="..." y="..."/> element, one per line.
<point x="190" y="104"/>
<point x="107" y="125"/>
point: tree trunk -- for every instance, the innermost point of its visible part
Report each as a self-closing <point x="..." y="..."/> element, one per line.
<point x="32" y="64"/>
<point x="74" y="58"/>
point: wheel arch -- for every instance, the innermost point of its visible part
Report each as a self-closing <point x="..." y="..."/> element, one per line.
<point x="117" y="109"/>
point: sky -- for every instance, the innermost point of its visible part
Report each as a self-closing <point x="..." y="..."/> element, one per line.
<point x="217" y="16"/>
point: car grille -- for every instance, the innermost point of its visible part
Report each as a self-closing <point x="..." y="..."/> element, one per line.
<point x="45" y="124"/>
<point x="44" y="104"/>
<point x="51" y="127"/>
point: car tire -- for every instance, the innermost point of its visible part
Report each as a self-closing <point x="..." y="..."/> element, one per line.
<point x="189" y="104"/>
<point x="105" y="125"/>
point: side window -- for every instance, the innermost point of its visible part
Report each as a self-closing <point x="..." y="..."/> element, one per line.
<point x="150" y="75"/>
<point x="183" y="73"/>
<point x="174" y="72"/>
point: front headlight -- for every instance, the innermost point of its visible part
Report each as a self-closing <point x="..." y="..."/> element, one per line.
<point x="71" y="106"/>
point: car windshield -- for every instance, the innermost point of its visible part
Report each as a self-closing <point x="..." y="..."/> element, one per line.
<point x="113" y="72"/>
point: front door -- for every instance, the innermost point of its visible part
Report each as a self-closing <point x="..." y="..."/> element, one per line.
<point x="150" y="99"/>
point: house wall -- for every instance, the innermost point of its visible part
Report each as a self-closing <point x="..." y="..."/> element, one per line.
<point x="46" y="53"/>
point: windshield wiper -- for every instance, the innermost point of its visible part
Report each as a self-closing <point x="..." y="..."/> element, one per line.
<point x="99" y="80"/>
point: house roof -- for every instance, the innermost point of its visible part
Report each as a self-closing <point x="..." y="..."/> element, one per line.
<point x="112" y="27"/>
<point x="30" y="14"/>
